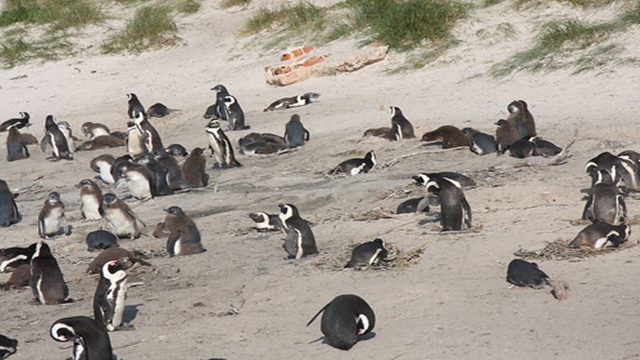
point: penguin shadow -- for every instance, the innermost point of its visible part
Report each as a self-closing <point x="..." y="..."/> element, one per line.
<point x="365" y="337"/>
<point x="130" y="313"/>
<point x="430" y="218"/>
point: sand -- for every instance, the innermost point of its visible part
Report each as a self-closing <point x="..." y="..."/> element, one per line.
<point x="243" y="300"/>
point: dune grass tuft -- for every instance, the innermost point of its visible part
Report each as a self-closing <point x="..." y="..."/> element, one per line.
<point x="225" y="4"/>
<point x="61" y="14"/>
<point x="188" y="6"/>
<point x="16" y="49"/>
<point x="288" y="17"/>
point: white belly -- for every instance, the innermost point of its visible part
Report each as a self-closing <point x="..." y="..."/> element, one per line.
<point x="90" y="206"/>
<point x="119" y="223"/>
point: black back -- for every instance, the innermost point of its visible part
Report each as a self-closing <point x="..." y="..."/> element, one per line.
<point x="87" y="333"/>
<point x="524" y="273"/>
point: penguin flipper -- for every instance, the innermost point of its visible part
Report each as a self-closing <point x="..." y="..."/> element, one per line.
<point x="44" y="142"/>
<point x="316" y="315"/>
<point x="587" y="213"/>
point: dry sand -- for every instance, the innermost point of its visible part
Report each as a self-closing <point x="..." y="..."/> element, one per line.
<point x="452" y="304"/>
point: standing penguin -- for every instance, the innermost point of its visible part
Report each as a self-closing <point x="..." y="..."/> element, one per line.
<point x="235" y="115"/>
<point x="184" y="237"/>
<point x="119" y="219"/>
<point x="455" y="210"/>
<point x="356" y="166"/>
<point x="344" y="319"/>
<point x="148" y="134"/>
<point x="110" y="295"/>
<point x="220" y="146"/>
<point x="300" y="241"/>
<point x="19" y="123"/>
<point x="91" y="198"/>
<point x="47" y="282"/>
<point x="134" y="106"/>
<point x="90" y="339"/>
<point x="295" y="133"/>
<point x="17" y="144"/>
<point x="605" y="203"/>
<point x="102" y="165"/>
<point x="139" y="180"/>
<point x="51" y="221"/>
<point x="8" y="347"/>
<point x="65" y="128"/>
<point x="521" y="118"/>
<point x="367" y="254"/>
<point x="217" y="110"/>
<point x="9" y="213"/>
<point x="506" y="134"/>
<point x="174" y="172"/>
<point x="134" y="142"/>
<point x="401" y="128"/>
<point x="194" y="169"/>
<point x="56" y="139"/>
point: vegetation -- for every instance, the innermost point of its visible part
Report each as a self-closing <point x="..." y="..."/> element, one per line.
<point x="231" y="3"/>
<point x="302" y="15"/>
<point x="188" y="6"/>
<point x="60" y="14"/>
<point x="17" y="49"/>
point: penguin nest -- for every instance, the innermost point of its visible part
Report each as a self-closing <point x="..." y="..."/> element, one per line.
<point x="559" y="250"/>
<point x="396" y="259"/>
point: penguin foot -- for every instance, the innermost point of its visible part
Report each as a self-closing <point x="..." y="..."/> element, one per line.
<point x="124" y="327"/>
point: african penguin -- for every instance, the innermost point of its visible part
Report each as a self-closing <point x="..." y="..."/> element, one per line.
<point x="8" y="347"/>
<point x="423" y="178"/>
<point x="629" y="169"/>
<point x="217" y="110"/>
<point x="19" y="123"/>
<point x="100" y="142"/>
<point x="526" y="274"/>
<point x="93" y="130"/>
<point x="159" y="110"/>
<point x="605" y="202"/>
<point x="344" y="319"/>
<point x="51" y="221"/>
<point x="91" y="198"/>
<point x="414" y="205"/>
<point x="148" y="134"/>
<point x="115" y="253"/>
<point x="139" y="180"/>
<point x="545" y="148"/>
<point x="109" y="297"/>
<point x="90" y="338"/>
<point x="235" y="115"/>
<point x="506" y="134"/>
<point x="135" y="107"/>
<point x="356" y="166"/>
<point x="184" y="237"/>
<point x="480" y="143"/>
<point x="295" y="133"/>
<point x="100" y="240"/>
<point x="600" y="235"/>
<point x="174" y="171"/>
<point x="520" y="117"/>
<point x="119" y="219"/>
<point x="455" y="212"/>
<point x="266" y="222"/>
<point x="300" y="241"/>
<point x="47" y="281"/>
<point x="220" y="146"/>
<point x="11" y="258"/>
<point x="401" y="128"/>
<point x="19" y="279"/>
<point x="294" y="101"/>
<point x="522" y="148"/>
<point x="450" y="135"/>
<point x="378" y="132"/>
<point x="194" y="169"/>
<point x="65" y="129"/>
<point x="9" y="213"/>
<point x="56" y="139"/>
<point x="367" y="254"/>
<point x="177" y="150"/>
<point x="159" y="175"/>
<point x="17" y="144"/>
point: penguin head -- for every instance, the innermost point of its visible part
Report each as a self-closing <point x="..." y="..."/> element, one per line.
<point x="371" y="156"/>
<point x="174" y="210"/>
<point x="42" y="250"/>
<point x="49" y="121"/>
<point x="53" y="198"/>
<point x="86" y="183"/>
<point x="363" y="324"/>
<point x="295" y="118"/>
<point x="421" y="179"/>
<point x="3" y="186"/>
<point x="219" y="88"/>
<point x="197" y="151"/>
<point x="288" y="211"/>
<point x="177" y="150"/>
<point x="258" y="216"/>
<point x="85" y="128"/>
<point x="25" y="116"/>
<point x="514" y="107"/>
<point x="501" y="122"/>
<point x="64" y="125"/>
<point x="393" y="111"/>
<point x="109" y="199"/>
<point x="433" y="187"/>
<point x="160" y="153"/>
<point x="132" y="97"/>
<point x="213" y="124"/>
<point x="62" y="332"/>
<point x="114" y="269"/>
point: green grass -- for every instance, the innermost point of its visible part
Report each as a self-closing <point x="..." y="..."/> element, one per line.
<point x="60" y="14"/>
<point x="577" y="3"/>
<point x="291" y="17"/>
<point x="151" y="26"/>
<point x="187" y="6"/>
<point x="16" y="49"/>
<point x="225" y="4"/>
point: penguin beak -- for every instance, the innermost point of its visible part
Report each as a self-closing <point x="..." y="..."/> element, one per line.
<point x="165" y="210"/>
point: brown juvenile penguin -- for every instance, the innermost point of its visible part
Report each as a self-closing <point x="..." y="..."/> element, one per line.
<point x="115" y="253"/>
<point x="506" y="134"/>
<point x="93" y="130"/>
<point x="91" y="198"/>
<point x="184" y="237"/>
<point x="377" y="132"/>
<point x="451" y="137"/>
<point x="101" y="142"/>
<point x="19" y="278"/>
<point x="51" y="221"/>
<point x="193" y="169"/>
<point x="119" y="219"/>
<point x="17" y="144"/>
<point x="521" y="118"/>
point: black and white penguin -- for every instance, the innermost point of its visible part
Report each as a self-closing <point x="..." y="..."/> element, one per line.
<point x="344" y="319"/>
<point x="135" y="142"/>
<point x="220" y="146"/>
<point x="109" y="297"/>
<point x="91" y="199"/>
<point x="295" y="133"/>
<point x="266" y="222"/>
<point x="11" y="258"/>
<point x="367" y="254"/>
<point x="600" y="235"/>
<point x="66" y="130"/>
<point x="545" y="148"/>
<point x="9" y="213"/>
<point x="102" y="165"/>
<point x="217" y="110"/>
<point x="521" y="118"/>
<point x="300" y="241"/>
<point x="234" y="113"/>
<point x="116" y="253"/>
<point x="174" y="171"/>
<point x="119" y="219"/>
<point x="134" y="106"/>
<point x="455" y="210"/>
<point x="506" y="134"/>
<point x="19" y="123"/>
<point x="522" y="148"/>
<point x="479" y="142"/>
<point x="56" y="140"/>
<point x="93" y="130"/>
<point x="184" y="237"/>
<point x="177" y="150"/>
<point x="139" y="180"/>
<point x="605" y="202"/>
<point x="51" y="221"/>
<point x="451" y="137"/>
<point x="194" y="169"/>
<point x="17" y="144"/>
<point x="148" y="134"/>
<point x="100" y="240"/>
<point x="8" y="347"/>
<point x="524" y="273"/>
<point x="629" y="169"/>
<point x="159" y="110"/>
<point x="356" y="166"/>
<point x="401" y="128"/>
<point x="159" y="175"/>
<point x="414" y="205"/>
<point x="294" y="101"/>
<point x="90" y="338"/>
<point x="47" y="281"/>
<point x="423" y="179"/>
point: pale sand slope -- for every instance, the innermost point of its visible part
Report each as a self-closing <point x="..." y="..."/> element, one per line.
<point x="453" y="304"/>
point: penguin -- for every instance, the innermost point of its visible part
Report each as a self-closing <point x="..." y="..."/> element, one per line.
<point x="119" y="218"/>
<point x="135" y="142"/>
<point x="217" y="110"/>
<point x="450" y="135"/>
<point x="91" y="198"/>
<point x="605" y="203"/>
<point x="177" y="150"/>
<point x="19" y="279"/>
<point x="194" y="169"/>
<point x="51" y="221"/>
<point x="545" y="148"/>
<point x="9" y="213"/>
<point x="138" y="178"/>
<point x="184" y="237"/>
<point x="266" y="222"/>
<point x="344" y="319"/>
<point x="455" y="210"/>
<point x="600" y="235"/>
<point x="378" y="132"/>
<point x="256" y="144"/>
<point x="93" y="130"/>
<point x="148" y="134"/>
<point x="13" y="257"/>
<point x="160" y="185"/>
<point x="47" y="281"/>
<point x="521" y="118"/>
<point x="174" y="171"/>
<point x="8" y="346"/>
<point x="135" y="107"/>
<point x="100" y="240"/>
<point x="506" y="134"/>
<point x="295" y="133"/>
<point x="400" y="126"/>
<point x="56" y="140"/>
<point x="628" y="167"/>
<point x="424" y="178"/>
<point x="115" y="253"/>
<point x="220" y="146"/>
<point x="300" y="241"/>
<point x="479" y="142"/>
<point x="101" y="142"/>
<point x="17" y="144"/>
<point x="102" y="165"/>
<point x="414" y="205"/>
<point x="356" y="166"/>
<point x="367" y="254"/>
<point x="604" y="161"/>
<point x="19" y="123"/>
<point x="109" y="297"/>
<point x="90" y="338"/>
<point x="235" y="115"/>
<point x="65" y="129"/>
<point x="294" y="101"/>
<point x="523" y="273"/>
<point x="522" y="148"/>
<point x="159" y="110"/>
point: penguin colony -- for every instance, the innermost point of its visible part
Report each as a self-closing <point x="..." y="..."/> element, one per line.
<point x="149" y="170"/>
